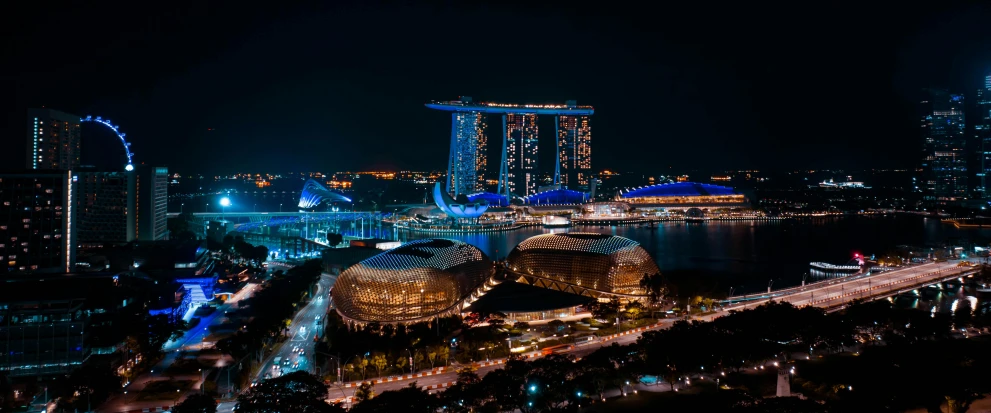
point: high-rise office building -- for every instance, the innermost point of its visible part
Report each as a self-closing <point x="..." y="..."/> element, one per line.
<point x="574" y="144"/>
<point x="104" y="209"/>
<point x="944" y="141"/>
<point x="468" y="160"/>
<point x="518" y="174"/>
<point x="982" y="136"/>
<point x="52" y="140"/>
<point x="521" y="153"/>
<point x="37" y="221"/>
<point x="150" y="195"/>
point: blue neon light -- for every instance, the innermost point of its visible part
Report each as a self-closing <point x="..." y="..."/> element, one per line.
<point x="127" y="145"/>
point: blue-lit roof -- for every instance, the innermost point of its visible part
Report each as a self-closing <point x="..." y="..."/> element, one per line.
<point x="678" y="189"/>
<point x="557" y="196"/>
<point x="313" y="194"/>
<point x="494" y="200"/>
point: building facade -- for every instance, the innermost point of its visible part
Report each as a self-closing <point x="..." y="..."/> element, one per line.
<point x="944" y="141"/>
<point x="150" y="196"/>
<point x="468" y="159"/>
<point x="521" y="153"/>
<point x="418" y="281"/>
<point x="53" y="140"/>
<point x="982" y="136"/>
<point x="518" y="169"/>
<point x="103" y="208"/>
<point x="37" y="228"/>
<point x="593" y="265"/>
<point x="574" y="145"/>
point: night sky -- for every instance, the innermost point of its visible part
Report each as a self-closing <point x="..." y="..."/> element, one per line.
<point x="341" y="86"/>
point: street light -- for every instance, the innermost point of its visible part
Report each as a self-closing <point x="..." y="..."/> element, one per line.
<point x="224" y="203"/>
<point x="410" y="361"/>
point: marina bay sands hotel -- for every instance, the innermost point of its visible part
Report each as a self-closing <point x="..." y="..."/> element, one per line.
<point x="518" y="173"/>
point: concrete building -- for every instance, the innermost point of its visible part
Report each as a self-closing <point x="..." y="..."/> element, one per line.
<point x="53" y="140"/>
<point x="37" y="221"/>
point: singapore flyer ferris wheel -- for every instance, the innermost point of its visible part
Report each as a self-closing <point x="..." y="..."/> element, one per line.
<point x="127" y="145"/>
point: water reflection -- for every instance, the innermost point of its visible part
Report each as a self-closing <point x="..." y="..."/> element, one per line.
<point x="747" y="255"/>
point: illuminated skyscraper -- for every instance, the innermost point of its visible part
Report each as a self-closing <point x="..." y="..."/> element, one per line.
<point x="150" y="194"/>
<point x="37" y="228"/>
<point x="467" y="162"/>
<point x="944" y="140"/>
<point x="518" y="172"/>
<point x="982" y="132"/>
<point x="574" y="151"/>
<point x="52" y="140"/>
<point x="521" y="152"/>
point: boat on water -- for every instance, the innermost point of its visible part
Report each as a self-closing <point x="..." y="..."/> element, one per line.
<point x="555" y="221"/>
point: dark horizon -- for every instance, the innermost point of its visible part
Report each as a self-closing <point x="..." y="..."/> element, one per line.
<point x="341" y="87"/>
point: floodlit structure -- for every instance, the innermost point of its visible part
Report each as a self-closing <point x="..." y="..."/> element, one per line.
<point x="314" y="194"/>
<point x="418" y="281"/>
<point x="684" y="195"/>
<point x="557" y="196"/>
<point x="458" y="210"/>
<point x="518" y="163"/>
<point x="593" y="265"/>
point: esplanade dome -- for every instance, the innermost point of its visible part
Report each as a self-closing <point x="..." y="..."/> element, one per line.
<point x="583" y="263"/>
<point x="417" y="281"/>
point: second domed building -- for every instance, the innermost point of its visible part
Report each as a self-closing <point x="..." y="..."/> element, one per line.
<point x="594" y="265"/>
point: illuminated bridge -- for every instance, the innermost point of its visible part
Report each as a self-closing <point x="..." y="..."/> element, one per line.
<point x="518" y="164"/>
<point x="245" y="221"/>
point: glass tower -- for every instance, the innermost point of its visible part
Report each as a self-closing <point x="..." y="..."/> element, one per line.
<point x="521" y="153"/>
<point x="574" y="145"/>
<point x="944" y="141"/>
<point x="466" y="166"/>
<point x="982" y="132"/>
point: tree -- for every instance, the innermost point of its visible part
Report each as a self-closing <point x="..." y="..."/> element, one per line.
<point x="604" y="310"/>
<point x="444" y="353"/>
<point x="379" y="361"/>
<point x="364" y="392"/>
<point x="654" y="285"/>
<point x="432" y="355"/>
<point x="467" y="394"/>
<point x="408" y="399"/>
<point x="87" y="386"/>
<point x="634" y="310"/>
<point x="296" y="392"/>
<point x="196" y="403"/>
<point x="228" y="242"/>
<point x="259" y="253"/>
<point x="334" y="239"/>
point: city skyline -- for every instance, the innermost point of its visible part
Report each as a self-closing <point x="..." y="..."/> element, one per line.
<point x="720" y="79"/>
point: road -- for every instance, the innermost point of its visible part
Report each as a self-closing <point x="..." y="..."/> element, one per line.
<point x="827" y="296"/>
<point x="841" y="294"/>
<point x="305" y="325"/>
